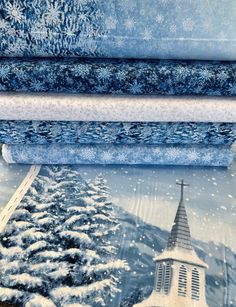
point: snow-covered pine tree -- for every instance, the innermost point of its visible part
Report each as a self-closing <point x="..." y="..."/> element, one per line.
<point x="57" y="248"/>
<point x="91" y="223"/>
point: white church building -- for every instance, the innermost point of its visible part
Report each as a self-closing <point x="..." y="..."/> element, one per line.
<point x="180" y="273"/>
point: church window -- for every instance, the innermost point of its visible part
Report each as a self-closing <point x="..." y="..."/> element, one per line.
<point x="182" y="282"/>
<point x="160" y="277"/>
<point x="195" y="285"/>
<point x="168" y="278"/>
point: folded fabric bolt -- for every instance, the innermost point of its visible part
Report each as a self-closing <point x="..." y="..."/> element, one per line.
<point x="118" y="154"/>
<point x="117" y="28"/>
<point x="67" y="132"/>
<point x="116" y="108"/>
<point x="113" y="76"/>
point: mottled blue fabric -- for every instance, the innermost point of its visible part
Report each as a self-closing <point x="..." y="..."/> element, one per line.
<point x="72" y="132"/>
<point x="114" y="76"/>
<point x="119" y="154"/>
<point x="119" y="28"/>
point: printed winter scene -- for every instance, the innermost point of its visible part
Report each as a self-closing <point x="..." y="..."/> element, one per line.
<point x="117" y="236"/>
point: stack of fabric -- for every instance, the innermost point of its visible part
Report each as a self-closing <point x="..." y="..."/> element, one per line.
<point x="96" y="48"/>
<point x="113" y="83"/>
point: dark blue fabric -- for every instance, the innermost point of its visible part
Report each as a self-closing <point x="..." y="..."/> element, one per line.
<point x="66" y="132"/>
<point x="114" y="76"/>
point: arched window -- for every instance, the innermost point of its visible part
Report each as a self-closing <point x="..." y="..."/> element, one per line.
<point x="182" y="282"/>
<point x="160" y="277"/>
<point x="195" y="285"/>
<point x="168" y="278"/>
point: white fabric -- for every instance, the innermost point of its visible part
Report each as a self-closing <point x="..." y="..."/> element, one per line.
<point x="116" y="108"/>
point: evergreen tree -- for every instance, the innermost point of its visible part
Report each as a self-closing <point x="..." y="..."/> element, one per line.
<point x="57" y="248"/>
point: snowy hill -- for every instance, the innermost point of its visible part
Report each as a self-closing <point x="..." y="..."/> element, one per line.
<point x="68" y="245"/>
<point x="141" y="241"/>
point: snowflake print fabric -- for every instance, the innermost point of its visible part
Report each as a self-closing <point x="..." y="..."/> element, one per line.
<point x="119" y="28"/>
<point x="71" y="132"/>
<point x="114" y="76"/>
<point x="195" y="155"/>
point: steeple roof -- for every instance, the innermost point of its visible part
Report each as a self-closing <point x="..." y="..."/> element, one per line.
<point x="180" y="233"/>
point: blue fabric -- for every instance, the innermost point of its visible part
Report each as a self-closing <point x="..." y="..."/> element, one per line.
<point x="119" y="154"/>
<point x="117" y="28"/>
<point x="113" y="76"/>
<point x="69" y="132"/>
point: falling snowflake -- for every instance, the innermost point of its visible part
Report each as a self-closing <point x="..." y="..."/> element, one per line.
<point x="14" y="12"/>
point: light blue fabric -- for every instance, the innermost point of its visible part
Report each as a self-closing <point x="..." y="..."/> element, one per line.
<point x="72" y="132"/>
<point x="119" y="154"/>
<point x="119" y="28"/>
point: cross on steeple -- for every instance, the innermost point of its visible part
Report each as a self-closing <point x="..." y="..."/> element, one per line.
<point x="180" y="233"/>
<point x="182" y="184"/>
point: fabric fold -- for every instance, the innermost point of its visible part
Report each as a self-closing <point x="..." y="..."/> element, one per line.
<point x="114" y="76"/>
<point x="116" y="108"/>
<point x="119" y="154"/>
<point x="73" y="132"/>
<point x="116" y="28"/>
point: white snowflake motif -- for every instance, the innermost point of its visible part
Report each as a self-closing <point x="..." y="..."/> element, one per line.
<point x="14" y="12"/>
<point x="37" y="86"/>
<point x="192" y="156"/>
<point x="4" y="72"/>
<point x="156" y="151"/>
<point x="39" y="30"/>
<point x="232" y="89"/>
<point x="110" y="23"/>
<point x="88" y="153"/>
<point x="3" y="25"/>
<point x="147" y="34"/>
<point x="222" y="76"/>
<point x="53" y="14"/>
<point x="205" y="74"/>
<point x="136" y="88"/>
<point x="173" y="28"/>
<point x="107" y="156"/>
<point x="121" y="75"/>
<point x="188" y="24"/>
<point x="129" y="23"/>
<point x="147" y="159"/>
<point x="121" y="157"/>
<point x="159" y="18"/>
<point x="81" y="70"/>
<point x="207" y="157"/>
<point x="119" y="42"/>
<point x="104" y="73"/>
<point x="172" y="153"/>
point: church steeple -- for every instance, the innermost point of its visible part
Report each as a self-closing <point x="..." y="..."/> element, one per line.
<point x="180" y="273"/>
<point x="180" y="232"/>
